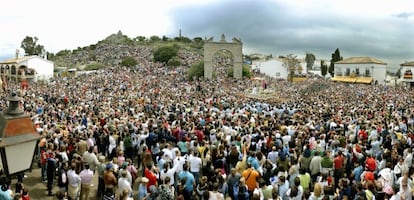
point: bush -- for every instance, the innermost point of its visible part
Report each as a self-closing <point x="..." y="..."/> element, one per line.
<point x="94" y="66"/>
<point x="174" y="61"/>
<point x="196" y="70"/>
<point x="246" y="71"/>
<point x="129" y="62"/>
<point x="165" y="53"/>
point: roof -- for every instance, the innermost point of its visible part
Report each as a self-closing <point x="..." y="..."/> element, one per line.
<point x="361" y="60"/>
<point x="21" y="59"/>
<point x="407" y="63"/>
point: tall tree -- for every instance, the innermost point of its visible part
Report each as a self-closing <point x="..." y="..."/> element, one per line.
<point x="324" y="68"/>
<point x="336" y="56"/>
<point x="310" y="61"/>
<point x="292" y="64"/>
<point x="30" y="46"/>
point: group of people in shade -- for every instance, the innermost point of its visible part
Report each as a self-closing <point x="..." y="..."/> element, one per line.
<point x="150" y="133"/>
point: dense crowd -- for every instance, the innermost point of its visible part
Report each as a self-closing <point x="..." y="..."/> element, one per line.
<point x="149" y="133"/>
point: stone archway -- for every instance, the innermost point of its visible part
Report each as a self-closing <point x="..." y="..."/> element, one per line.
<point x="235" y="47"/>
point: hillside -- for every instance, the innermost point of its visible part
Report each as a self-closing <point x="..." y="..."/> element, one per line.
<point x="111" y="50"/>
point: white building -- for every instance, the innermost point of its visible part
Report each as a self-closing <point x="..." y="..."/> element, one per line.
<point x="407" y="70"/>
<point x="31" y="68"/>
<point x="360" y="70"/>
<point x="276" y="68"/>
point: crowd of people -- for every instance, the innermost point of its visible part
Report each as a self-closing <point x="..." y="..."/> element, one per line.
<point x="148" y="133"/>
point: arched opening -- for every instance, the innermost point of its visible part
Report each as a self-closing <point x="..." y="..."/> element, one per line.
<point x="22" y="70"/>
<point x="13" y="70"/>
<point x="223" y="60"/>
<point x="214" y="49"/>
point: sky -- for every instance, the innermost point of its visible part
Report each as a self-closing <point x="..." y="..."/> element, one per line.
<point x="383" y="29"/>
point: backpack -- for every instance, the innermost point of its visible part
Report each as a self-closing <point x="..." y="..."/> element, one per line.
<point x="240" y="192"/>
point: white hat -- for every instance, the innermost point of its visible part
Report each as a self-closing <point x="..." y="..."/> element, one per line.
<point x="144" y="180"/>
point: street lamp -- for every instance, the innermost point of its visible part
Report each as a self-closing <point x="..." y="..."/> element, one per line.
<point x="18" y="138"/>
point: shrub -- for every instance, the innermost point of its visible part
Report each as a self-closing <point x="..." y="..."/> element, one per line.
<point x="165" y="53"/>
<point x="196" y="70"/>
<point x="129" y="62"/>
<point x="174" y="61"/>
<point x="246" y="71"/>
<point x="94" y="66"/>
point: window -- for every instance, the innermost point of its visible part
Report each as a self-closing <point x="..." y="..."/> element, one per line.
<point x="367" y="73"/>
<point x="357" y="71"/>
<point x="348" y="72"/>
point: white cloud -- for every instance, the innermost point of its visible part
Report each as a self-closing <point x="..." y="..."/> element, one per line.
<point x="263" y="25"/>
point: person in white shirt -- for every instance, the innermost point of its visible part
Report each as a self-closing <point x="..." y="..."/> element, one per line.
<point x="408" y="155"/>
<point x="215" y="194"/>
<point x="124" y="184"/>
<point x="90" y="157"/>
<point x="179" y="162"/>
<point x="195" y="165"/>
<point x="73" y="182"/>
<point x="168" y="171"/>
<point x="168" y="153"/>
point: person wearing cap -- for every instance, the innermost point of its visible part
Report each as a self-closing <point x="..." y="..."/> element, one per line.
<point x="142" y="189"/>
<point x="109" y="177"/>
<point x="86" y="176"/>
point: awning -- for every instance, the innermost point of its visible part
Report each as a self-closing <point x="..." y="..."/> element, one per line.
<point x="349" y="80"/>
<point x="365" y="80"/>
<point x="338" y="78"/>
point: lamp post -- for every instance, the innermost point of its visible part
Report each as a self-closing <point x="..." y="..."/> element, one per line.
<point x="18" y="138"/>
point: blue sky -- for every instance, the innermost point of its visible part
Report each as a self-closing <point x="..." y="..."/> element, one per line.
<point x="379" y="28"/>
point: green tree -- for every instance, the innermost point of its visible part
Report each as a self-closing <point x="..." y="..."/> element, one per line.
<point x="336" y="56"/>
<point x="165" y="38"/>
<point x="196" y="70"/>
<point x="182" y="39"/>
<point x="310" y="61"/>
<point x="50" y="55"/>
<point x="292" y="64"/>
<point x="155" y="38"/>
<point x="129" y="62"/>
<point x="324" y="68"/>
<point x="165" y="53"/>
<point x="63" y="52"/>
<point x="30" y="46"/>
<point x="140" y="38"/>
<point x="246" y="71"/>
<point x="198" y="39"/>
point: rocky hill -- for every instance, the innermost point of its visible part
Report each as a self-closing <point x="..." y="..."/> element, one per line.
<point x="115" y="47"/>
